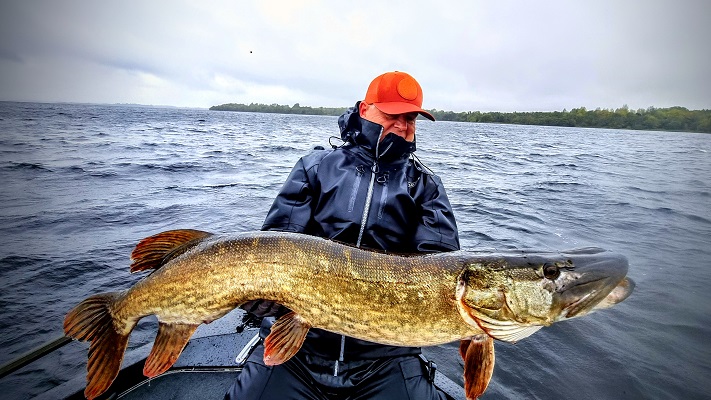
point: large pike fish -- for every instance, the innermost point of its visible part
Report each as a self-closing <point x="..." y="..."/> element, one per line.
<point x="421" y="300"/>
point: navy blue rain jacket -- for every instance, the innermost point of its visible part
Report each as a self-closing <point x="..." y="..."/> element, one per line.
<point x="326" y="194"/>
<point x="330" y="193"/>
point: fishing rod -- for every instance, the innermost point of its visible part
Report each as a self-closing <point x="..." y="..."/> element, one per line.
<point x="41" y="351"/>
<point x="33" y="355"/>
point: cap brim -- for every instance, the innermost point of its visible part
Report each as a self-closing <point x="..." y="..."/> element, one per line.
<point x="402" y="108"/>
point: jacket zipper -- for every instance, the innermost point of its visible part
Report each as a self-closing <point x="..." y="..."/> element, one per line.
<point x="368" y="199"/>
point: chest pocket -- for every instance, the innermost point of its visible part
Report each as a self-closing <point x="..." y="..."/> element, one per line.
<point x="383" y="180"/>
<point x="360" y="171"/>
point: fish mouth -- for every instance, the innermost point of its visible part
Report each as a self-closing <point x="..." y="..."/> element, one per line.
<point x="599" y="281"/>
<point x="622" y="291"/>
<point x="584" y="304"/>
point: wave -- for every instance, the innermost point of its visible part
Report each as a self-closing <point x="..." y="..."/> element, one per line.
<point x="26" y="166"/>
<point x="73" y="209"/>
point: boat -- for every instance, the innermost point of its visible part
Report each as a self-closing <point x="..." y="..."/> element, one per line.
<point x="207" y="367"/>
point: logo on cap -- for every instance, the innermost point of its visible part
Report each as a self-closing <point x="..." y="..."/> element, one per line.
<point x="407" y="88"/>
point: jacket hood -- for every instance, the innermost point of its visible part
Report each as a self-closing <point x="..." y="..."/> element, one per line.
<point x="365" y="134"/>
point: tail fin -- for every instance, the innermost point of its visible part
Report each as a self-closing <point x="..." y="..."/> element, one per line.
<point x="154" y="251"/>
<point x="91" y="320"/>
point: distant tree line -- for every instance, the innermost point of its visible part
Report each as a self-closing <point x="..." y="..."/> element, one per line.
<point x="665" y="119"/>
<point x="279" y="109"/>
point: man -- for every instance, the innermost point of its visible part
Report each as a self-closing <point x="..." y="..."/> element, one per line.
<point x="370" y="193"/>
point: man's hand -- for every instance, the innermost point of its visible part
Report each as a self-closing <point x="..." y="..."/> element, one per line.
<point x="264" y="308"/>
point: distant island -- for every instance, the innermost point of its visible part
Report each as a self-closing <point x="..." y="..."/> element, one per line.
<point x="279" y="109"/>
<point x="676" y="119"/>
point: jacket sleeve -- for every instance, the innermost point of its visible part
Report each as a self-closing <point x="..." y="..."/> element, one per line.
<point x="437" y="231"/>
<point x="292" y="208"/>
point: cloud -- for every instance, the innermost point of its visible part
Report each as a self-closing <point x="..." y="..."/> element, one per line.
<point x="468" y="55"/>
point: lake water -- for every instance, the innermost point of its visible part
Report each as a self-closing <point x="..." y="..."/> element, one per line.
<point x="81" y="184"/>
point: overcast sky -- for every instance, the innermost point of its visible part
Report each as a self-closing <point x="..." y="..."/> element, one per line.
<point x="467" y="55"/>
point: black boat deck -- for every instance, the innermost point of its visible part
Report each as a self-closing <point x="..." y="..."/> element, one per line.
<point x="205" y="369"/>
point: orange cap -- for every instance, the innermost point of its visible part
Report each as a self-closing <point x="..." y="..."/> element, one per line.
<point x="396" y="93"/>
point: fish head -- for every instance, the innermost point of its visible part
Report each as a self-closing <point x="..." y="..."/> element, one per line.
<point x="510" y="296"/>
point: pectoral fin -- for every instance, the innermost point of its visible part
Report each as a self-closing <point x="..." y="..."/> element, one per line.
<point x="285" y="340"/>
<point x="478" y="355"/>
<point x="169" y="343"/>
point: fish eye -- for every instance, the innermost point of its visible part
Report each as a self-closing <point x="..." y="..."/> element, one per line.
<point x="551" y="271"/>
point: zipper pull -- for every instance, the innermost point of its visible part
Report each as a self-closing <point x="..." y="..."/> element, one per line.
<point x="340" y="358"/>
<point x="383" y="179"/>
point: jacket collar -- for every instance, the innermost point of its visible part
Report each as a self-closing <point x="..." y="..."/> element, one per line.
<point x="366" y="134"/>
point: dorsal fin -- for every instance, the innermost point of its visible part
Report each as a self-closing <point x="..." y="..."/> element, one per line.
<point x="154" y="251"/>
<point x="285" y="340"/>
